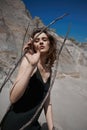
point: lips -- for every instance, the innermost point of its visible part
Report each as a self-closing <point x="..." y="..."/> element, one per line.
<point x="42" y="47"/>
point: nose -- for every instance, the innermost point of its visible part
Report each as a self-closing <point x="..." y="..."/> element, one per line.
<point x="41" y="42"/>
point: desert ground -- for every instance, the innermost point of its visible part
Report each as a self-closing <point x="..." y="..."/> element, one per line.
<point x="69" y="98"/>
<point x="69" y="101"/>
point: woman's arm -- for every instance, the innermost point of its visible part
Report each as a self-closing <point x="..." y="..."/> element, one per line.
<point x="19" y="86"/>
<point x="27" y="67"/>
<point x="48" y="113"/>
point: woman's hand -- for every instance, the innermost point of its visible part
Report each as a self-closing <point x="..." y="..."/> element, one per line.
<point x="31" y="55"/>
<point x="26" y="69"/>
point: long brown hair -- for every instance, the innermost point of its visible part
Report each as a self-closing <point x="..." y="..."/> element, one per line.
<point x="51" y="55"/>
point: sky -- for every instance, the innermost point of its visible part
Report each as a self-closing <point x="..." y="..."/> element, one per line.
<point x="48" y="10"/>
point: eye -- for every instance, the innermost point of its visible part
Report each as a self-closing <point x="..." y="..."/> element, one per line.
<point x="45" y="39"/>
<point x="36" y="40"/>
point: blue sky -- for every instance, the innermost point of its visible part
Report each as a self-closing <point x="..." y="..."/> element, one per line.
<point x="48" y="10"/>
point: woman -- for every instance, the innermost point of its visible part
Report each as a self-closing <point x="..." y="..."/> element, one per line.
<point x="32" y="83"/>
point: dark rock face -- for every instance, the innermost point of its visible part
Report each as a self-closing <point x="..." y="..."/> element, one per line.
<point x="14" y="20"/>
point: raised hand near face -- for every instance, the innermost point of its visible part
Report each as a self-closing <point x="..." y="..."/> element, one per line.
<point x="31" y="55"/>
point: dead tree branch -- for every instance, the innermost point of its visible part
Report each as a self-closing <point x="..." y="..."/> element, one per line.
<point x="54" y="76"/>
<point x="11" y="72"/>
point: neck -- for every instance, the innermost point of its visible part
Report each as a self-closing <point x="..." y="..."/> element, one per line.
<point x="42" y="60"/>
<point x="42" y="64"/>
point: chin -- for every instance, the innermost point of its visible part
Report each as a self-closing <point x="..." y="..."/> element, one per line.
<point x="43" y="52"/>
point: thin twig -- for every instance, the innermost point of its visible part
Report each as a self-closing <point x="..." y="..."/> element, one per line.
<point x="55" y="72"/>
<point x="10" y="73"/>
<point x="9" y="79"/>
<point x="8" y="76"/>
<point x="24" y="38"/>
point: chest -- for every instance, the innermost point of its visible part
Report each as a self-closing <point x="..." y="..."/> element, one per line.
<point x="44" y="75"/>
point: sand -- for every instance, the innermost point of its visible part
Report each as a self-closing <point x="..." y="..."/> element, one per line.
<point x="69" y="98"/>
<point x="69" y="101"/>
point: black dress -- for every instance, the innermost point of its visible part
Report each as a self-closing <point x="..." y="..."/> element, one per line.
<point x="24" y="109"/>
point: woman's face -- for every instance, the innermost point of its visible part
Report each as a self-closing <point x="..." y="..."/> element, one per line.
<point x="41" y="42"/>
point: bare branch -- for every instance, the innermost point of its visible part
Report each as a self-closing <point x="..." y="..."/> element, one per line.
<point x="8" y="76"/>
<point x="9" y="79"/>
<point x="24" y="38"/>
<point x="54" y="76"/>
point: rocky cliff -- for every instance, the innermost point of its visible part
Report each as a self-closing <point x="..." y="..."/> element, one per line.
<point x="14" y="22"/>
<point x="15" y="19"/>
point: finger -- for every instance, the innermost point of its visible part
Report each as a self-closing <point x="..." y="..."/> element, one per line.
<point x="28" y="45"/>
<point x="30" y="41"/>
<point x="37" y="49"/>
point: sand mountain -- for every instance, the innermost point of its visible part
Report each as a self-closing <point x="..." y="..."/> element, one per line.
<point x="70" y="87"/>
<point x="15" y="19"/>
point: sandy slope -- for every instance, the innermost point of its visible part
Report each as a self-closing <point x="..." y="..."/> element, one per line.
<point x="69" y="96"/>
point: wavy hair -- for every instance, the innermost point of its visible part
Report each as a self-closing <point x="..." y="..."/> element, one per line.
<point x="51" y="55"/>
